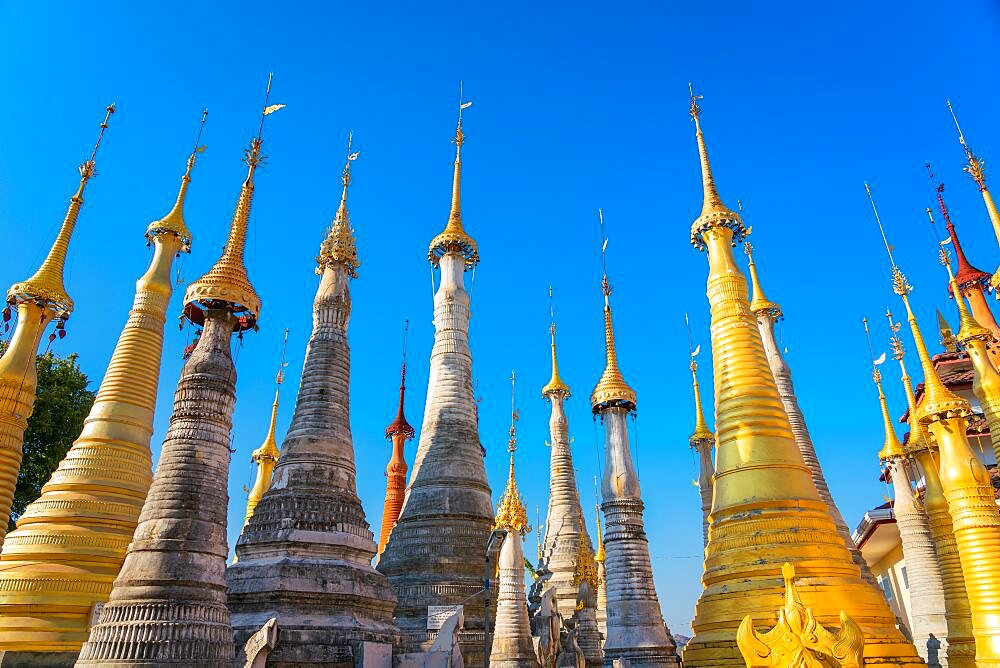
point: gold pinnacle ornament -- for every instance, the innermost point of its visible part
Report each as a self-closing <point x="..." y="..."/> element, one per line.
<point x="511" y="513"/>
<point x="38" y="300"/>
<point x="766" y="510"/>
<point x="69" y="544"/>
<point x="966" y="485"/>
<point x="454" y="237"/>
<point x="266" y="456"/>
<point x="339" y="245"/>
<point x="798" y="640"/>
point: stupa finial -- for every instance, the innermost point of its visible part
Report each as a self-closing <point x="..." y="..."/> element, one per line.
<point x="339" y="246"/>
<point x="173" y="222"/>
<point x="45" y="287"/>
<point x="511" y="513"/>
<point x="555" y="386"/>
<point x="702" y="433"/>
<point x="975" y="166"/>
<point x="760" y="305"/>
<point x="892" y="447"/>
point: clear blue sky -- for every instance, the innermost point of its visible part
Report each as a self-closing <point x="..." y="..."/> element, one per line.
<point x="577" y="106"/>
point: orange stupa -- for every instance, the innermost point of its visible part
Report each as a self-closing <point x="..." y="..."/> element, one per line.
<point x="400" y="431"/>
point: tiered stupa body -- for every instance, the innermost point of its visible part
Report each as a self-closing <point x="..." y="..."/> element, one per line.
<point x="38" y="301"/>
<point x="512" y="646"/>
<point x="168" y="604"/>
<point x="588" y="633"/>
<point x="927" y="611"/>
<point x="564" y="525"/>
<point x="399" y="432"/>
<point x="976" y="170"/>
<point x="635" y="629"/>
<point x="305" y="556"/>
<point x="766" y="510"/>
<point x="959" y="644"/>
<point x="435" y="552"/>
<point x="702" y="441"/>
<point x="767" y="314"/>
<point x="69" y="544"/>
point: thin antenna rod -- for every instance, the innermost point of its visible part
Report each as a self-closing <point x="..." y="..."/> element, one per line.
<point x="881" y="229"/>
<point x="280" y="378"/>
<point x="201" y="127"/>
<point x="604" y="245"/>
<point x="263" y="109"/>
<point x="687" y="322"/>
<point x="110" y="109"/>
<point x="961" y="136"/>
<point x="871" y="350"/>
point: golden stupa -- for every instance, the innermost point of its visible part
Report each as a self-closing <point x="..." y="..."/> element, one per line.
<point x="766" y="511"/>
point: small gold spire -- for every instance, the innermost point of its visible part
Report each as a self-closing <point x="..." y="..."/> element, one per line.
<point x="454" y="238"/>
<point x="339" y="245"/>
<point x="599" y="557"/>
<point x="938" y="402"/>
<point x="266" y="456"/>
<point x="975" y="168"/>
<point x="947" y="336"/>
<point x="702" y="434"/>
<point x="226" y="284"/>
<point x="969" y="328"/>
<point x="892" y="447"/>
<point x="759" y="304"/>
<point x="586" y="565"/>
<point x="611" y="389"/>
<point x="555" y="386"/>
<point x="511" y="513"/>
<point x="713" y="212"/>
<point x="173" y="222"/>
<point x="45" y="287"/>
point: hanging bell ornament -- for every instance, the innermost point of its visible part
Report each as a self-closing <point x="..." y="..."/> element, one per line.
<point x="6" y="314"/>
<point x="52" y="337"/>
<point x="62" y="333"/>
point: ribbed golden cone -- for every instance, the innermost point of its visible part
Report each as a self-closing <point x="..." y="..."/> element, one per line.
<point x="454" y="237"/>
<point x="556" y="385"/>
<point x="611" y="389"/>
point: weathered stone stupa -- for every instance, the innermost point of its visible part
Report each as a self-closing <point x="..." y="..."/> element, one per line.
<point x="38" y="301"/>
<point x="305" y="556"/>
<point x="564" y="525"/>
<point x="702" y="441"/>
<point x="766" y="510"/>
<point x="168" y="604"/>
<point x="512" y="646"/>
<point x="62" y="559"/>
<point x="435" y="552"/>
<point x="635" y="628"/>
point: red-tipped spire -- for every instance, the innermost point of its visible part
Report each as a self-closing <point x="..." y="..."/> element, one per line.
<point x="967" y="275"/>
<point x="400" y="425"/>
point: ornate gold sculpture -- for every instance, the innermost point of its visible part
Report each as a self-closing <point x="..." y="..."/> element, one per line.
<point x="966" y="485"/>
<point x="38" y="300"/>
<point x="454" y="237"/>
<point x="798" y="640"/>
<point x="511" y="513"/>
<point x="339" y="245"/>
<point x="766" y="509"/>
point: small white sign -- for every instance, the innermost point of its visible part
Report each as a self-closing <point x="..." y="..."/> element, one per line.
<point x="438" y="614"/>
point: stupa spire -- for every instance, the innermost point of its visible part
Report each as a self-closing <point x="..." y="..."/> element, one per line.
<point x="635" y="628"/>
<point x="174" y="222"/>
<point x="892" y="447"/>
<point x="764" y="491"/>
<point x="447" y="510"/>
<point x="759" y="303"/>
<point x="454" y="237"/>
<point x="88" y="510"/>
<point x="339" y="244"/>
<point x="555" y="384"/>
<point x="174" y="570"/>
<point x="400" y="431"/>
<point x="266" y="456"/>
<point x="38" y="300"/>
<point x="512" y="646"/>
<point x="305" y="556"/>
<point x="600" y="557"/>
<point x="564" y="525"/>
<point x="959" y="643"/>
<point x="976" y="168"/>
<point x="964" y="481"/>
<point x="973" y="283"/>
<point x="948" y="340"/>
<point x="702" y="441"/>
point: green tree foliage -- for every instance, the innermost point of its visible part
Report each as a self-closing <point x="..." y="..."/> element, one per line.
<point x="61" y="406"/>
